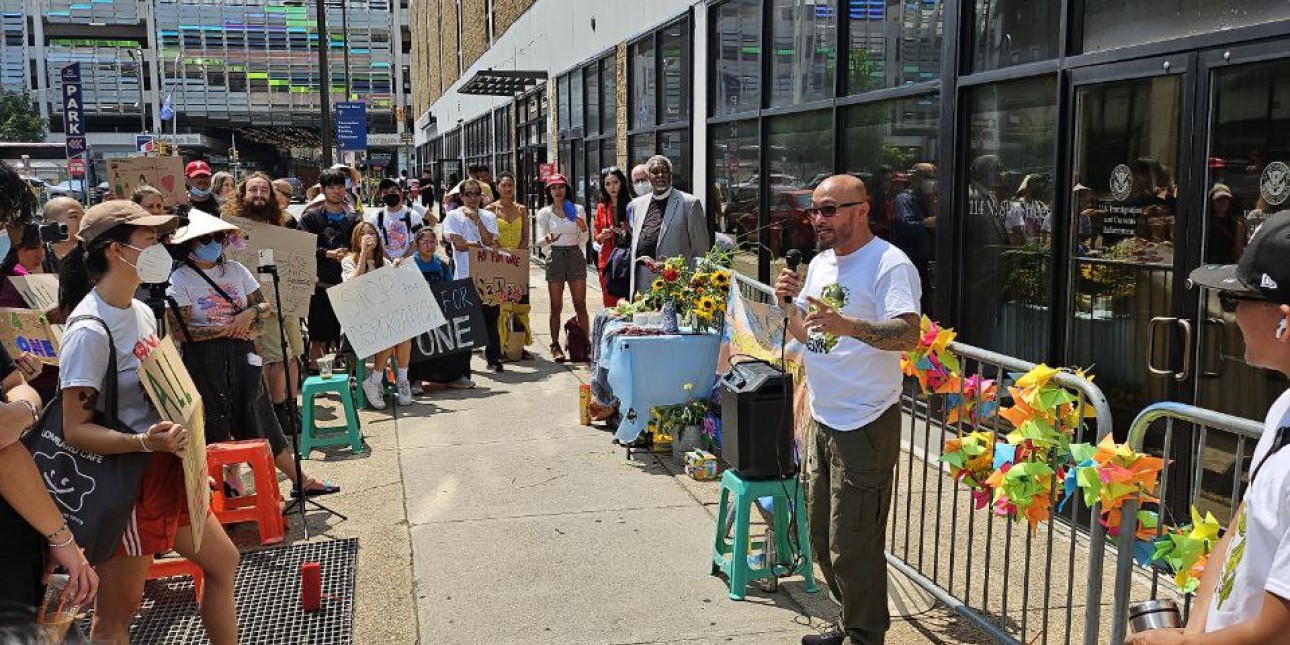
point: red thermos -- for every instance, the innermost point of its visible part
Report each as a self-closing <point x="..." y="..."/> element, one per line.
<point x="310" y="586"/>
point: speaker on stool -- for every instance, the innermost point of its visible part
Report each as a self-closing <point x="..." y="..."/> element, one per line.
<point x="757" y="421"/>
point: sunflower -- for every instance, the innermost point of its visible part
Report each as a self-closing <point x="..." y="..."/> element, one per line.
<point x="658" y="284"/>
<point x="707" y="305"/>
<point x="721" y="278"/>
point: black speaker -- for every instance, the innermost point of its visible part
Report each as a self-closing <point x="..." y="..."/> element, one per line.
<point x="757" y="421"/>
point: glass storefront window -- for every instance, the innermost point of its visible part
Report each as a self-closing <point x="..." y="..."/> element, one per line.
<point x="675" y="145"/>
<point x="674" y="45"/>
<point x="892" y="146"/>
<point x="643" y="83"/>
<point x="609" y="94"/>
<point x="892" y="43"/>
<point x="801" y="156"/>
<point x="575" y="100"/>
<point x="736" y="56"/>
<point x="591" y="75"/>
<point x="732" y="200"/>
<point x="640" y="147"/>
<point x="1005" y="280"/>
<point x="562" y="89"/>
<point x="1014" y="32"/>
<point x="805" y="52"/>
<point x="1110" y="24"/>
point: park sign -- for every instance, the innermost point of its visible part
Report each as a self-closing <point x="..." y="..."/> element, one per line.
<point x="73" y="111"/>
<point x="175" y="396"/>
<point x="382" y="308"/>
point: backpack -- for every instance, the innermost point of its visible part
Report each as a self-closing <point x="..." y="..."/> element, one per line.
<point x="577" y="344"/>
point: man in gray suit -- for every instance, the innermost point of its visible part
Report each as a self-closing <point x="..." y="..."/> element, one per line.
<point x="667" y="223"/>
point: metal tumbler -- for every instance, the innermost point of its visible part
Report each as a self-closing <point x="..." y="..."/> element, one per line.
<point x="1147" y="615"/>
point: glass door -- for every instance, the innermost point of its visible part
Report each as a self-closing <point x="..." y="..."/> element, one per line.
<point x="1125" y="226"/>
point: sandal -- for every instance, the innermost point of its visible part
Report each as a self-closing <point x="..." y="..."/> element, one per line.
<point x="328" y="488"/>
<point x="557" y="354"/>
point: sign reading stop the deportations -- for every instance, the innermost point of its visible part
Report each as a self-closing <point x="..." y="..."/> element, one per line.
<point x="381" y="309"/>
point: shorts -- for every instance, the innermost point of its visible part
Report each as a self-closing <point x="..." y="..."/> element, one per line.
<point x="566" y="264"/>
<point x="323" y="326"/>
<point x="160" y="509"/>
<point x="270" y="342"/>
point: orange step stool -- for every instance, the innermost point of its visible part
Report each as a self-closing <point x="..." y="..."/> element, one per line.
<point x="172" y="567"/>
<point x="265" y="506"/>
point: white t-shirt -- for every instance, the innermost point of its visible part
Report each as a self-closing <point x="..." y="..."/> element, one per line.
<point x="396" y="234"/>
<point x="1260" y="551"/>
<point x="852" y="383"/>
<point x="207" y="308"/>
<point x="85" y="356"/>
<point x="567" y="231"/>
<point x="458" y="224"/>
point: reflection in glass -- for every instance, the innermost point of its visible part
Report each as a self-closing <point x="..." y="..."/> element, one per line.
<point x="591" y="77"/>
<point x="1014" y="32"/>
<point x="609" y="94"/>
<point x="1006" y="295"/>
<point x="640" y="148"/>
<point x="893" y="43"/>
<point x="1111" y="24"/>
<point x="1249" y="123"/>
<point x="675" y="145"/>
<point x="575" y="100"/>
<point x="674" y="45"/>
<point x="805" y="52"/>
<point x="733" y="197"/>
<point x="1122" y="269"/>
<point x="562" y="89"/>
<point x="643" y="83"/>
<point x="892" y="146"/>
<point x="801" y="156"/>
<point x="737" y="59"/>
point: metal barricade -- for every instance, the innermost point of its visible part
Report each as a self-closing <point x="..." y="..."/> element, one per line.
<point x="1232" y="444"/>
<point x="968" y="559"/>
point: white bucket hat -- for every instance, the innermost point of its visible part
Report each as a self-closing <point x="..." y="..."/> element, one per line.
<point x="200" y="224"/>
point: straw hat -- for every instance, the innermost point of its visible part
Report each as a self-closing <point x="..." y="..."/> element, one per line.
<point x="200" y="224"/>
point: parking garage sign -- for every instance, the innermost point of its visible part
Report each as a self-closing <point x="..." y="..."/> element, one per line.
<point x="73" y="111"/>
<point x="351" y="126"/>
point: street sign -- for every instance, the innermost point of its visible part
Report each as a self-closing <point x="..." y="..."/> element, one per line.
<point x="545" y="170"/>
<point x="351" y="126"/>
<point x="76" y="167"/>
<point x="145" y="143"/>
<point x="73" y="111"/>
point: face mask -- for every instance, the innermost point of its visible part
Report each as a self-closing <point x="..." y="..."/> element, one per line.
<point x="392" y="200"/>
<point x="197" y="193"/>
<point x="643" y="187"/>
<point x="153" y="264"/>
<point x="208" y="252"/>
<point x="928" y="186"/>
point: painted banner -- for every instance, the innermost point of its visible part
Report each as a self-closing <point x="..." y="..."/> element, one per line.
<point x="27" y="331"/>
<point x="294" y="253"/>
<point x="175" y="396"/>
<point x="166" y="174"/>
<point x="38" y="290"/>
<point x="465" y="329"/>
<point x="383" y="308"/>
<point x="500" y="276"/>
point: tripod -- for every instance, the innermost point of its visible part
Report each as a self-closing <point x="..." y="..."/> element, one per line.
<point x="301" y="502"/>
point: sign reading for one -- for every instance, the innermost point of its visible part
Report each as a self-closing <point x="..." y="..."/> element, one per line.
<point x="465" y="329"/>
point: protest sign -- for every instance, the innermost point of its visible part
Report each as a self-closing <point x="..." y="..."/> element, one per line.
<point x="38" y="290"/>
<point x="175" y="396"/>
<point x="26" y="331"/>
<point x="465" y="329"/>
<point x="754" y="329"/>
<point x="294" y="253"/>
<point x="166" y="174"/>
<point x="383" y="308"/>
<point x="500" y="276"/>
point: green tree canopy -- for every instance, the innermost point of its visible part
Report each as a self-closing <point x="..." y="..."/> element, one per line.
<point x="19" y="119"/>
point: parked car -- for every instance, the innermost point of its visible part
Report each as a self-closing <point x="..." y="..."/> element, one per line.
<point x="297" y="190"/>
<point x="789" y="227"/>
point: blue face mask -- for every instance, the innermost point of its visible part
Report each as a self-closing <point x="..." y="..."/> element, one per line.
<point x="197" y="193"/>
<point x="208" y="252"/>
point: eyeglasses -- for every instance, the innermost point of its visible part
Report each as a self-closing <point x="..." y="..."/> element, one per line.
<point x="284" y="193"/>
<point x="828" y="210"/>
<point x="471" y="193"/>
<point x="213" y="237"/>
<point x="1230" y="301"/>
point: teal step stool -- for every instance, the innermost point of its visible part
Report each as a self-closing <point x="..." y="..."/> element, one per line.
<point x="312" y="436"/>
<point x="360" y="374"/>
<point x="731" y="557"/>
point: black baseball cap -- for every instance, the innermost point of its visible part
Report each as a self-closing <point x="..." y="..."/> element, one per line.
<point x="1263" y="271"/>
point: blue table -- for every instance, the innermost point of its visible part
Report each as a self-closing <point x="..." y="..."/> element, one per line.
<point x="645" y="371"/>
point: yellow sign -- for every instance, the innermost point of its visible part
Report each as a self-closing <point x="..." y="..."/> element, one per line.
<point x="175" y="396"/>
<point x="25" y="331"/>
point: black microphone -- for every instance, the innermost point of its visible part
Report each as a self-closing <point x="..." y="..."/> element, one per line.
<point x="791" y="260"/>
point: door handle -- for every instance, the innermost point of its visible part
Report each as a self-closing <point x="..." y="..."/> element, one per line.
<point x="1222" y="346"/>
<point x="1151" y="344"/>
<point x="1187" y="348"/>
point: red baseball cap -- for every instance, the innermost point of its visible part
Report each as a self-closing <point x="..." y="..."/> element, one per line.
<point x="195" y="168"/>
<point x="557" y="178"/>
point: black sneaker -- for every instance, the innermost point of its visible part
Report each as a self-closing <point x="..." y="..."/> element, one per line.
<point x="495" y="367"/>
<point x="830" y="637"/>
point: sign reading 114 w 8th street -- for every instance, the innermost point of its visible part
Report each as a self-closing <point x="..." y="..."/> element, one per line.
<point x="73" y="111"/>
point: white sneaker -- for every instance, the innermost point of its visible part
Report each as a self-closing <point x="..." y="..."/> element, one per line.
<point x="375" y="394"/>
<point x="404" y="396"/>
<point x="462" y="383"/>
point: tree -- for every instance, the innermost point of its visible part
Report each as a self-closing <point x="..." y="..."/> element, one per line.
<point x="19" y="119"/>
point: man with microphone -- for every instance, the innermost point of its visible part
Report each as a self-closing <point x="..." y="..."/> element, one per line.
<point x="855" y="312"/>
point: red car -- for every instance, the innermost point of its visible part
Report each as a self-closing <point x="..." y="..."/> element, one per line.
<point x="789" y="226"/>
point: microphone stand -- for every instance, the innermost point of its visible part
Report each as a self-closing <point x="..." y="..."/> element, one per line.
<point x="301" y="501"/>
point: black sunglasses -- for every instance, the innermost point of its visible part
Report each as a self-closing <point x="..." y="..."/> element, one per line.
<point x="213" y="237"/>
<point x="1230" y="301"/>
<point x="828" y="210"/>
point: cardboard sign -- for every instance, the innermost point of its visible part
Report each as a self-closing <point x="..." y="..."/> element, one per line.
<point x="500" y="276"/>
<point x="166" y="174"/>
<point x="383" y="308"/>
<point x="175" y="396"/>
<point x="293" y="254"/>
<point x="26" y="331"/>
<point x="38" y="290"/>
<point x="464" y="330"/>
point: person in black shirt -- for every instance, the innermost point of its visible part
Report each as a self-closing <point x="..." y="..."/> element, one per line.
<point x="332" y="220"/>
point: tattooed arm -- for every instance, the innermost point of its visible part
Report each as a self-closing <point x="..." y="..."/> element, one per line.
<point x="82" y="432"/>
<point x="896" y="334"/>
<point x="199" y="334"/>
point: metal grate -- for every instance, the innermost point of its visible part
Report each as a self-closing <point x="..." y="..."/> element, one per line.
<point x="267" y="590"/>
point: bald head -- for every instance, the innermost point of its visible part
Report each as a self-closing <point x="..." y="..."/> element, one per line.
<point x="640" y="173"/>
<point x="67" y="211"/>
<point x="842" y="188"/>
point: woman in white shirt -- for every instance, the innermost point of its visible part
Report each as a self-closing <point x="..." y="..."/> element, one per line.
<point x="562" y="230"/>
<point x="366" y="254"/>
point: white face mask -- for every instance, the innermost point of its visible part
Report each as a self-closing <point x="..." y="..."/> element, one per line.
<point x="643" y="188"/>
<point x="153" y="264"/>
